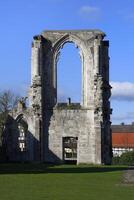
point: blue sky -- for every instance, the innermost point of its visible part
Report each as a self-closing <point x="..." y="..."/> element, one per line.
<point x="20" y="20"/>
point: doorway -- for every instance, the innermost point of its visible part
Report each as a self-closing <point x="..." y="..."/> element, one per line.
<point x="70" y="149"/>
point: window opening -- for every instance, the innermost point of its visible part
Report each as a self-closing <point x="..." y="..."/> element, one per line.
<point x="69" y="75"/>
<point x="70" y="148"/>
<point x="22" y="127"/>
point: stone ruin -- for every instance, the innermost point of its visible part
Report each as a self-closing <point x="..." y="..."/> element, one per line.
<point x="48" y="131"/>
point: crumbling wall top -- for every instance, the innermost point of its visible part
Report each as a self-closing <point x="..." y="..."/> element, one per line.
<point x="94" y="31"/>
<point x="83" y="34"/>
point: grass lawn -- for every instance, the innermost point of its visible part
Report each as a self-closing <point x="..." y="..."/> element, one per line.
<point x="66" y="182"/>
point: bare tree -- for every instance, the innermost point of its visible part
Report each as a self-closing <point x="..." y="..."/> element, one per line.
<point x="8" y="101"/>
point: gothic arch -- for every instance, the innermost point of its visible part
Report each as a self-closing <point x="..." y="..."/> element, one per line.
<point x="86" y="57"/>
<point x="20" y="117"/>
<point x="22" y="127"/>
<point x="93" y="114"/>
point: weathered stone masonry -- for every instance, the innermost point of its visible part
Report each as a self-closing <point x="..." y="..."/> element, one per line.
<point x="49" y="122"/>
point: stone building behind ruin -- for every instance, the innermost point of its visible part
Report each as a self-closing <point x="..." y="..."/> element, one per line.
<point x="48" y="131"/>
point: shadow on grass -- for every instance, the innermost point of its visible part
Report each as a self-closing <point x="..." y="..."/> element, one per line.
<point x="45" y="168"/>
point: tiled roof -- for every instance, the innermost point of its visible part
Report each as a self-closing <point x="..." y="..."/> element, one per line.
<point x="122" y="140"/>
<point x="123" y="128"/>
<point x="123" y="135"/>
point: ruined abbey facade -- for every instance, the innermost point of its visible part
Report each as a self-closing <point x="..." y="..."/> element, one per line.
<point x="48" y="131"/>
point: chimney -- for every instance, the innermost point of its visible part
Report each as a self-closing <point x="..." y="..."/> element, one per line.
<point x="69" y="101"/>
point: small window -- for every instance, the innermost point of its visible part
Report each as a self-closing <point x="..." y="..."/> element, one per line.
<point x="70" y="148"/>
<point x="22" y="129"/>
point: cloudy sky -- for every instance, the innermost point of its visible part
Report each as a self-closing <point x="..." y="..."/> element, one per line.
<point x="20" y="20"/>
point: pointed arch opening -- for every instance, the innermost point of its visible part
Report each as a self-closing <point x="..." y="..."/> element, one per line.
<point x="22" y="128"/>
<point x="69" y="75"/>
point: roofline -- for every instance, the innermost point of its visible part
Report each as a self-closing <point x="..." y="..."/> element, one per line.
<point x="75" y="30"/>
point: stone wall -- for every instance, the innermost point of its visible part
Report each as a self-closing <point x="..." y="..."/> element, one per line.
<point x="72" y="123"/>
<point x="47" y="123"/>
<point x="91" y="123"/>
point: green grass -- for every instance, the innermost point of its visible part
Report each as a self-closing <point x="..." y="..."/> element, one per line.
<point x="68" y="182"/>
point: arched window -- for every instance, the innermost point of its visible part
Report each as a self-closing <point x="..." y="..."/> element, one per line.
<point x="69" y="74"/>
<point x="22" y="133"/>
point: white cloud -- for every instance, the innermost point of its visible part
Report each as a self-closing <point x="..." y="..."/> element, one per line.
<point x="122" y="91"/>
<point x="123" y="117"/>
<point x="62" y="97"/>
<point x="90" y="12"/>
<point x="89" y="9"/>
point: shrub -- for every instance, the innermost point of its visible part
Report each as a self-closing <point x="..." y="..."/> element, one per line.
<point x="126" y="158"/>
<point x="116" y="160"/>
